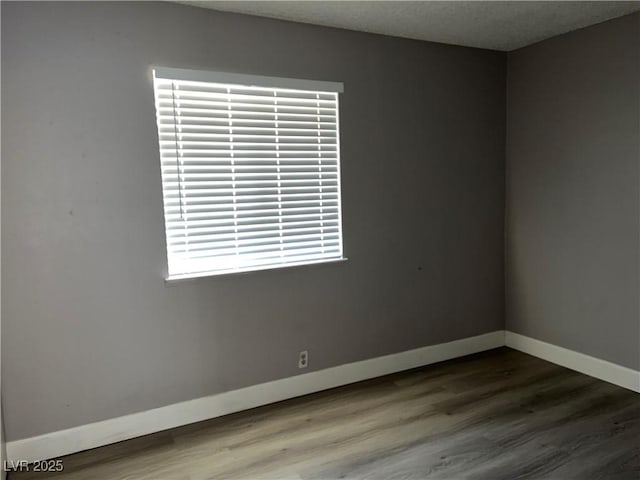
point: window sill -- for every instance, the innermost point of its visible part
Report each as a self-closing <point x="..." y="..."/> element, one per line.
<point x="190" y="277"/>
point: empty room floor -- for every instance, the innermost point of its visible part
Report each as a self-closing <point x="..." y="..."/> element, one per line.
<point x="496" y="415"/>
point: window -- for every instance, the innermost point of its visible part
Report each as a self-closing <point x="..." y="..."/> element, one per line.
<point x="250" y="171"/>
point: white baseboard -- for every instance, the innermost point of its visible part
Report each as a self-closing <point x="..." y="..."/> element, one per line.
<point x="84" y="437"/>
<point x="592" y="366"/>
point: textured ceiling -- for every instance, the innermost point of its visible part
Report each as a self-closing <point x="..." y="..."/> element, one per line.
<point x="502" y="25"/>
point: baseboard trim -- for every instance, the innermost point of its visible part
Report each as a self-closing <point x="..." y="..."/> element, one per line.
<point x="84" y="437"/>
<point x="592" y="366"/>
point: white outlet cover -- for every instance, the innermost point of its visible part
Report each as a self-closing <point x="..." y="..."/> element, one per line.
<point x="303" y="359"/>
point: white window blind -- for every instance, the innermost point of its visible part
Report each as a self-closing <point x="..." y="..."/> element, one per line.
<point x="250" y="171"/>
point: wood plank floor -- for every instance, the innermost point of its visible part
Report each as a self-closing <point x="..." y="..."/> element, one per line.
<point x="496" y="415"/>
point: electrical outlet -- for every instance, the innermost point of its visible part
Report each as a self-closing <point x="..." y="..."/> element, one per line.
<point x="303" y="359"/>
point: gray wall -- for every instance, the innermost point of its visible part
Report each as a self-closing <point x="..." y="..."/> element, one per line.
<point x="573" y="206"/>
<point x="90" y="331"/>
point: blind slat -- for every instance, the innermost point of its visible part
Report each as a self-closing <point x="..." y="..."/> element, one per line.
<point x="328" y="228"/>
<point x="255" y="243"/>
<point x="248" y="191"/>
<point x="243" y="215"/>
<point x="249" y="200"/>
<point x="266" y="235"/>
<point x="268" y="251"/>
<point x="240" y="221"/>
<point x="175" y="231"/>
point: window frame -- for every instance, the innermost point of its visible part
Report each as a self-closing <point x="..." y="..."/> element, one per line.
<point x="266" y="82"/>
